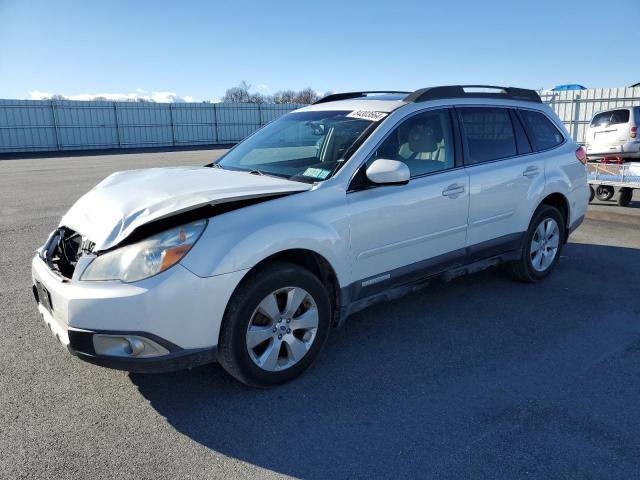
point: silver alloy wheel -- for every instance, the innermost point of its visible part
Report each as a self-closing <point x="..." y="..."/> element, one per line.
<point x="282" y="329"/>
<point x="544" y="244"/>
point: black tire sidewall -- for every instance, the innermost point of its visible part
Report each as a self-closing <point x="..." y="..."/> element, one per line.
<point x="541" y="215"/>
<point x="624" y="196"/>
<point x="610" y="192"/>
<point x="244" y="302"/>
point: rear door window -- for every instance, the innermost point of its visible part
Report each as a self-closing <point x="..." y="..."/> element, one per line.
<point x="489" y="134"/>
<point x="542" y="132"/>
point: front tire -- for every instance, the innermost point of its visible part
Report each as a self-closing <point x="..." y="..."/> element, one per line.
<point x="541" y="247"/>
<point x="275" y="325"/>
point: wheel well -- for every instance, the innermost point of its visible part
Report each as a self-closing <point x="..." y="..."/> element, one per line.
<point x="559" y="201"/>
<point x="313" y="262"/>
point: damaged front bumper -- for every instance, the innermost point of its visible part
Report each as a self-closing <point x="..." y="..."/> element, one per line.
<point x="168" y="322"/>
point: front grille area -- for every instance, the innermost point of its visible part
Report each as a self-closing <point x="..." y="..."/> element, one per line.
<point x="63" y="250"/>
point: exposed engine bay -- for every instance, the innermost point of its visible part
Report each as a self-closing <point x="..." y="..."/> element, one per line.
<point x="63" y="249"/>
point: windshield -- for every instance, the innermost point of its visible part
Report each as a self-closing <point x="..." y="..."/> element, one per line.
<point x="303" y="146"/>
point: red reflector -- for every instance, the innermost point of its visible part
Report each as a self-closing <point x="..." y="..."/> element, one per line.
<point x="581" y="155"/>
<point x="634" y="132"/>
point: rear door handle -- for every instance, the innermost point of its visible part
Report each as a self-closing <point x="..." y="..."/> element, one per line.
<point x="531" y="171"/>
<point x="454" y="189"/>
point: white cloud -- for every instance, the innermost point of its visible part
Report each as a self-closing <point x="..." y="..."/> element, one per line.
<point x="263" y="87"/>
<point x="38" y="95"/>
<point x="158" y="97"/>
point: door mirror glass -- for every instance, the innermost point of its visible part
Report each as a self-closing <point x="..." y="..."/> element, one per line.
<point x="387" y="172"/>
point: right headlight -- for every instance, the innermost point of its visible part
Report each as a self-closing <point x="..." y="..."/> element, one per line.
<point x="145" y="258"/>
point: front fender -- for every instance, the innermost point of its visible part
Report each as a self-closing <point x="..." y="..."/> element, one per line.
<point x="239" y="240"/>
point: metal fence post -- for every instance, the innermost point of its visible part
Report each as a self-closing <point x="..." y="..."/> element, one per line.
<point x="260" y="124"/>
<point x="576" y="116"/>
<point x="115" y="113"/>
<point x="215" y="125"/>
<point x="55" y="125"/>
<point x="173" y="130"/>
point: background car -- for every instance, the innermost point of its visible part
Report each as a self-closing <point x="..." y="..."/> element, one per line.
<point x="614" y="133"/>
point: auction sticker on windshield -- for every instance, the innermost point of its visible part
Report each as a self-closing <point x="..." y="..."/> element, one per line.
<point x="319" y="173"/>
<point x="367" y="115"/>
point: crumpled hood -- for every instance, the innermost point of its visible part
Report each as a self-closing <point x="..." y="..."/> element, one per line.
<point x="123" y="201"/>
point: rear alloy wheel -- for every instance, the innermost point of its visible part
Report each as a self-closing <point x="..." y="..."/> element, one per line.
<point x="624" y="196"/>
<point x="541" y="247"/>
<point x="544" y="245"/>
<point x="605" y="192"/>
<point x="275" y="325"/>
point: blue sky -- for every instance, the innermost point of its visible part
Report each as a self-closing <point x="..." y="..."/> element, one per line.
<point x="197" y="49"/>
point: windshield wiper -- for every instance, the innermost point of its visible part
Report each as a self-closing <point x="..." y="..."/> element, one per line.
<point x="216" y="165"/>
<point x="256" y="172"/>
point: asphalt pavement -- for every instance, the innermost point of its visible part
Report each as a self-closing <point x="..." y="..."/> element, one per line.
<point x="482" y="377"/>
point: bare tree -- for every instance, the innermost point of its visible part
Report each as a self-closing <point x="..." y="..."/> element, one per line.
<point x="239" y="94"/>
<point x="242" y="94"/>
<point x="57" y="96"/>
<point x="257" y="98"/>
<point x="284" y="96"/>
<point x="306" y="96"/>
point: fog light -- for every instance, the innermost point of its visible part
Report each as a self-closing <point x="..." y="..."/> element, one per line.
<point x="127" y="346"/>
<point x="136" y="346"/>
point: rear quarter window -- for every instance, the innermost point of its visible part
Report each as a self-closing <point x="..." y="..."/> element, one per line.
<point x="619" y="116"/>
<point x="542" y="132"/>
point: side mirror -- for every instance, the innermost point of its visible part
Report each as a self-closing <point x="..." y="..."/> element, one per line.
<point x="388" y="172"/>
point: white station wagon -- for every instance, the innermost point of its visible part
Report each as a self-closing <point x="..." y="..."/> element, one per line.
<point x="359" y="198"/>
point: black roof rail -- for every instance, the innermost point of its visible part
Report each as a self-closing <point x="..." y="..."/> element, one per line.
<point x="458" y="91"/>
<point x="347" y="95"/>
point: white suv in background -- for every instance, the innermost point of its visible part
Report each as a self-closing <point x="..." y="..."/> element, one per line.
<point x="359" y="198"/>
<point x="614" y="133"/>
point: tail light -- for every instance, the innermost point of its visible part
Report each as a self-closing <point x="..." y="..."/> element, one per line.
<point x="634" y="132"/>
<point x="581" y="155"/>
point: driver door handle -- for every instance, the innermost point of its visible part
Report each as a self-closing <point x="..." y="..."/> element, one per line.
<point x="454" y="189"/>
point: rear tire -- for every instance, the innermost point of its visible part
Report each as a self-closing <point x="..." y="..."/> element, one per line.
<point x="605" y="192"/>
<point x="541" y="247"/>
<point x="624" y="196"/>
<point x="265" y="339"/>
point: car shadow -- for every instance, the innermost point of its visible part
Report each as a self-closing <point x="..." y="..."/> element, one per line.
<point x="483" y="376"/>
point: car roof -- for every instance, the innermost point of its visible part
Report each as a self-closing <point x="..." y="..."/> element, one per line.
<point x="385" y="101"/>
<point x="365" y="103"/>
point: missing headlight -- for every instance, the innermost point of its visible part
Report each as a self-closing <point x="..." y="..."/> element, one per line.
<point x="64" y="248"/>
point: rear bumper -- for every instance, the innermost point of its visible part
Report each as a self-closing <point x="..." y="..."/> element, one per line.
<point x="626" y="150"/>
